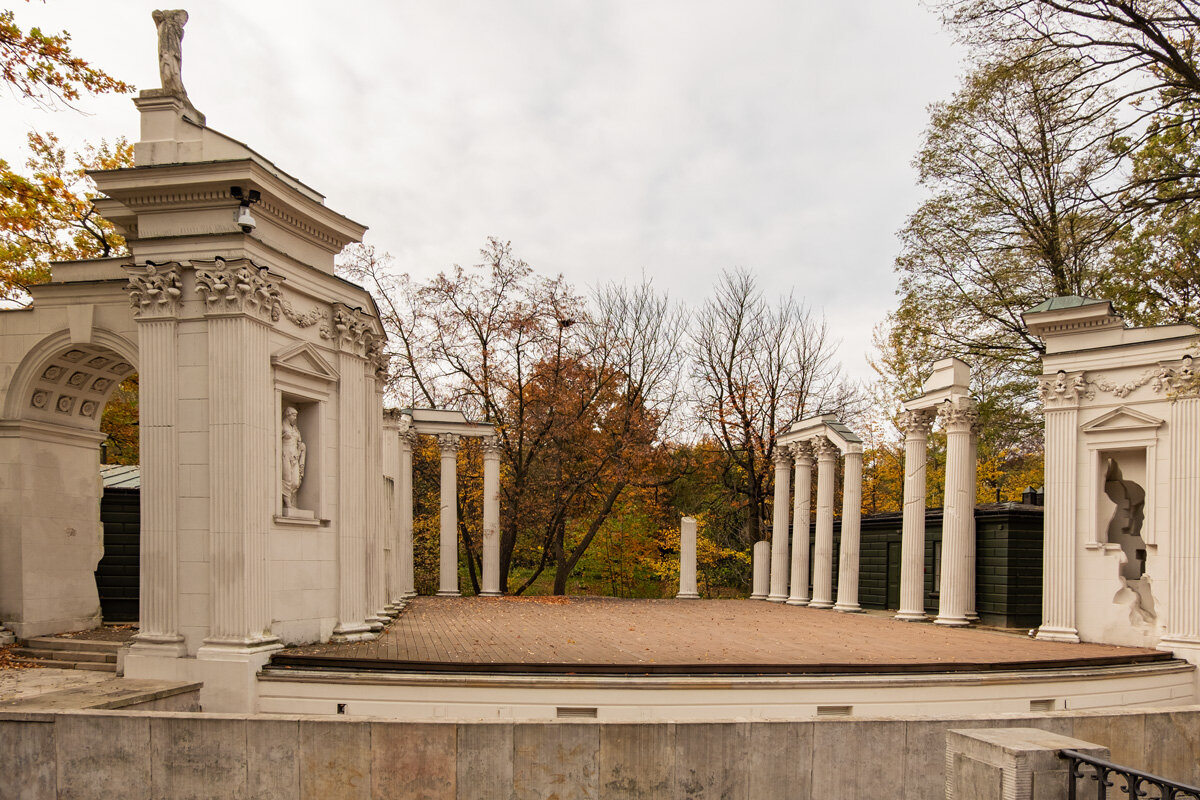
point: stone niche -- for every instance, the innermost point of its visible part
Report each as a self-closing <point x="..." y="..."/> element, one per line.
<point x="304" y="381"/>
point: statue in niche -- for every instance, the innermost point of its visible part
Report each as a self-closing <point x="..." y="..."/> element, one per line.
<point x="170" y="49"/>
<point x="1125" y="527"/>
<point x="294" y="452"/>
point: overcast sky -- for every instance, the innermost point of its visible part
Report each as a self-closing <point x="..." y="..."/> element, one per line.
<point x="603" y="139"/>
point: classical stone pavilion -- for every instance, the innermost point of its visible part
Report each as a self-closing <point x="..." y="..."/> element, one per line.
<point x="1122" y="544"/>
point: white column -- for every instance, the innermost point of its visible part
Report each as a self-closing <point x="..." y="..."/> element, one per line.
<point x="404" y="491"/>
<point x="1058" y="549"/>
<point x="801" y="513"/>
<point x="352" y="497"/>
<point x="1183" y="612"/>
<point x="958" y="416"/>
<point x="779" y="525"/>
<point x="491" y="517"/>
<point x="848" y="560"/>
<point x="972" y="567"/>
<point x="448" y="517"/>
<point x="916" y="425"/>
<point x="159" y="447"/>
<point x="822" y="592"/>
<point x="687" y="560"/>
<point x="377" y="600"/>
<point x="391" y="460"/>
<point x="760" y="562"/>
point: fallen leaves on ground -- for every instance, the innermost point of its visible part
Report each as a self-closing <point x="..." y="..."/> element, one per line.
<point x="10" y="661"/>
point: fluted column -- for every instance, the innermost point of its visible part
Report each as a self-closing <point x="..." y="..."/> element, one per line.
<point x="404" y="513"/>
<point x="760" y="564"/>
<point x="391" y="460"/>
<point x="448" y="517"/>
<point x="957" y="416"/>
<point x="801" y="511"/>
<point x="377" y="600"/>
<point x="972" y="565"/>
<point x="1061" y="398"/>
<point x="1183" y="548"/>
<point x="779" y="526"/>
<point x="156" y="295"/>
<point x="848" y="558"/>
<point x="491" y="517"/>
<point x="822" y="590"/>
<point x="687" y="560"/>
<point x="916" y="425"/>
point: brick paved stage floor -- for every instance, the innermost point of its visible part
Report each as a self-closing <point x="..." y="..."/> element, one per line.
<point x="580" y="635"/>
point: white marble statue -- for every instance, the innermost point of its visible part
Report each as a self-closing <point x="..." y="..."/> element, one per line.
<point x="294" y="452"/>
<point x="170" y="49"/>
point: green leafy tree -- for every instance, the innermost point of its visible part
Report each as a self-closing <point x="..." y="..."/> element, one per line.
<point x="40" y="66"/>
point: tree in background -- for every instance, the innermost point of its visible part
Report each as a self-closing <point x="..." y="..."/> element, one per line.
<point x="41" y="67"/>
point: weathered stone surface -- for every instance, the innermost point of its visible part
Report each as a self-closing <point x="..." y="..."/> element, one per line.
<point x="103" y="757"/>
<point x="710" y="761"/>
<point x="1175" y="746"/>
<point x="335" y="759"/>
<point x="839" y="747"/>
<point x="187" y="751"/>
<point x="485" y="761"/>
<point x="555" y="760"/>
<point x="272" y="759"/>
<point x="27" y="769"/>
<point x="414" y="760"/>
<point x="779" y="761"/>
<point x="636" y="761"/>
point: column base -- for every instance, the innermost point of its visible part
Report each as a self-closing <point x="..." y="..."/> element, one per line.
<point x="409" y="595"/>
<point x="387" y="614"/>
<point x="820" y="604"/>
<point x="972" y="616"/>
<point x="687" y="596"/>
<point x="952" y="622"/>
<point x="911" y="616"/>
<point x="797" y="601"/>
<point x="847" y="608"/>
<point x="449" y="593"/>
<point x="229" y="670"/>
<point x="1183" y="647"/>
<point x="1049" y="634"/>
<point x="158" y="646"/>
<point x="759" y="596"/>
<point x="490" y="594"/>
<point x="352" y="633"/>
<point x="7" y="637"/>
<point x="776" y="598"/>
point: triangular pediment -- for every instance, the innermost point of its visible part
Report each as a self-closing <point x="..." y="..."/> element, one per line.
<point x="302" y="357"/>
<point x="1122" y="419"/>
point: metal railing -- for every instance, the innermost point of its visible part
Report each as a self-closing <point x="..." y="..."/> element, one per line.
<point x="1133" y="784"/>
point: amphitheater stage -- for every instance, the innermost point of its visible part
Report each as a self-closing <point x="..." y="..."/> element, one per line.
<point x="631" y="660"/>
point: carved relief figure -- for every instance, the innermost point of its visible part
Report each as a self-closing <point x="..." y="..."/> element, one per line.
<point x="1125" y="527"/>
<point x="170" y="49"/>
<point x="294" y="452"/>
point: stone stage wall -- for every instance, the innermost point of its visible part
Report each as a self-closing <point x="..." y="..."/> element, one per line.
<point x="134" y="755"/>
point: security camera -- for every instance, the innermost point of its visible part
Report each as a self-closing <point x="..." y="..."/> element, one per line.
<point x="245" y="219"/>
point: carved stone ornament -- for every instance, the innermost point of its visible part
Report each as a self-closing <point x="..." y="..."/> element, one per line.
<point x="351" y="330"/>
<point x="958" y="413"/>
<point x="239" y="286"/>
<point x="156" y="292"/>
<point x="915" y="423"/>
<point x="1178" y="381"/>
<point x="379" y="359"/>
<point x="448" y="442"/>
<point x="307" y="319"/>
<point x="823" y="448"/>
<point x="782" y="457"/>
<point x="801" y="452"/>
<point x="1062" y="389"/>
<point x="170" y="49"/>
<point x="490" y="445"/>
<point x="1152" y="376"/>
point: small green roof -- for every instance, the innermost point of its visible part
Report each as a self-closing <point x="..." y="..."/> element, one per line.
<point x="1070" y="301"/>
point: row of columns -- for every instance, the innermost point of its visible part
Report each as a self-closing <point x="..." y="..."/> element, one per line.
<point x="790" y="577"/>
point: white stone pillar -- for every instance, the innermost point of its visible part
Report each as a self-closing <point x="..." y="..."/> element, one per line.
<point x="377" y="611"/>
<point x="448" y="517"/>
<point x="1058" y="549"/>
<point x="801" y="512"/>
<point x="972" y="566"/>
<point x="157" y="300"/>
<point x="848" y="551"/>
<point x="760" y="562"/>
<point x="822" y="592"/>
<point x="916" y="425"/>
<point x="687" y="560"/>
<point x="408" y="439"/>
<point x="1183" y="612"/>
<point x="491" y="517"/>
<point x="779" y="525"/>
<point x="958" y="416"/>
<point x="391" y="460"/>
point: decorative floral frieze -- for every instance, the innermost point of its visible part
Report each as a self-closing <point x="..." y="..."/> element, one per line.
<point x="239" y="287"/>
<point x="1154" y="376"/>
<point x="307" y="319"/>
<point x="1063" y="389"/>
<point x="157" y="292"/>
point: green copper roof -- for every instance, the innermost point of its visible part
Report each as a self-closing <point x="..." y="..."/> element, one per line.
<point x="1070" y="301"/>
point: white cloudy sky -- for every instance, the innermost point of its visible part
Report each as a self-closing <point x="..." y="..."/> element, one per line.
<point x="603" y="138"/>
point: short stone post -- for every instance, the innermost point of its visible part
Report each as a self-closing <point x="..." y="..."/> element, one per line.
<point x="1010" y="763"/>
<point x="491" y="517"/>
<point x="848" y="563"/>
<point x="916" y="425"/>
<point x="779" y="526"/>
<point x="801" y="511"/>
<point x="761" y="564"/>
<point x="448" y="518"/>
<point x="687" y="560"/>
<point x="822" y="594"/>
<point x="6" y="636"/>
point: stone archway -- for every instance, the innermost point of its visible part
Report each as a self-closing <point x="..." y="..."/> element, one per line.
<point x="50" y="535"/>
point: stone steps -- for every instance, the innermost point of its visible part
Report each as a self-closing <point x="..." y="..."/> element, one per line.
<point x="51" y="651"/>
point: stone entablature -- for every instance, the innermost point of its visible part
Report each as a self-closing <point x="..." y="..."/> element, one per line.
<point x="1122" y="543"/>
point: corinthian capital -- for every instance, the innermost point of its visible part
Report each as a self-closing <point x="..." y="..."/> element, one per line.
<point x="239" y="287"/>
<point x="157" y="292"/>
<point x="824" y="449"/>
<point x="802" y="453"/>
<point x="1064" y="389"/>
<point x="447" y="442"/>
<point x="915" y="424"/>
<point x="958" y="414"/>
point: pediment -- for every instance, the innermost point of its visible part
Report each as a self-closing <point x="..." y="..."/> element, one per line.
<point x="302" y="357"/>
<point x="1122" y="419"/>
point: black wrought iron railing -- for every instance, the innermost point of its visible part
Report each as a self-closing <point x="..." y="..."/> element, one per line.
<point x="1128" y="783"/>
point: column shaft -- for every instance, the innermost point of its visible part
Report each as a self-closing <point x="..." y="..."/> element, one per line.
<point x="1058" y="550"/>
<point x="779" y="526"/>
<point x="491" y="518"/>
<point x="377" y="615"/>
<point x="916" y="426"/>
<point x="760" y="563"/>
<point x="971" y="568"/>
<point x="1183" y="623"/>
<point x="687" y="559"/>
<point x="823" y="549"/>
<point x="448" y="517"/>
<point x="958" y="416"/>
<point x="801" y="519"/>
<point x="404" y="491"/>
<point x="352" y="500"/>
<point x="848" y="551"/>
